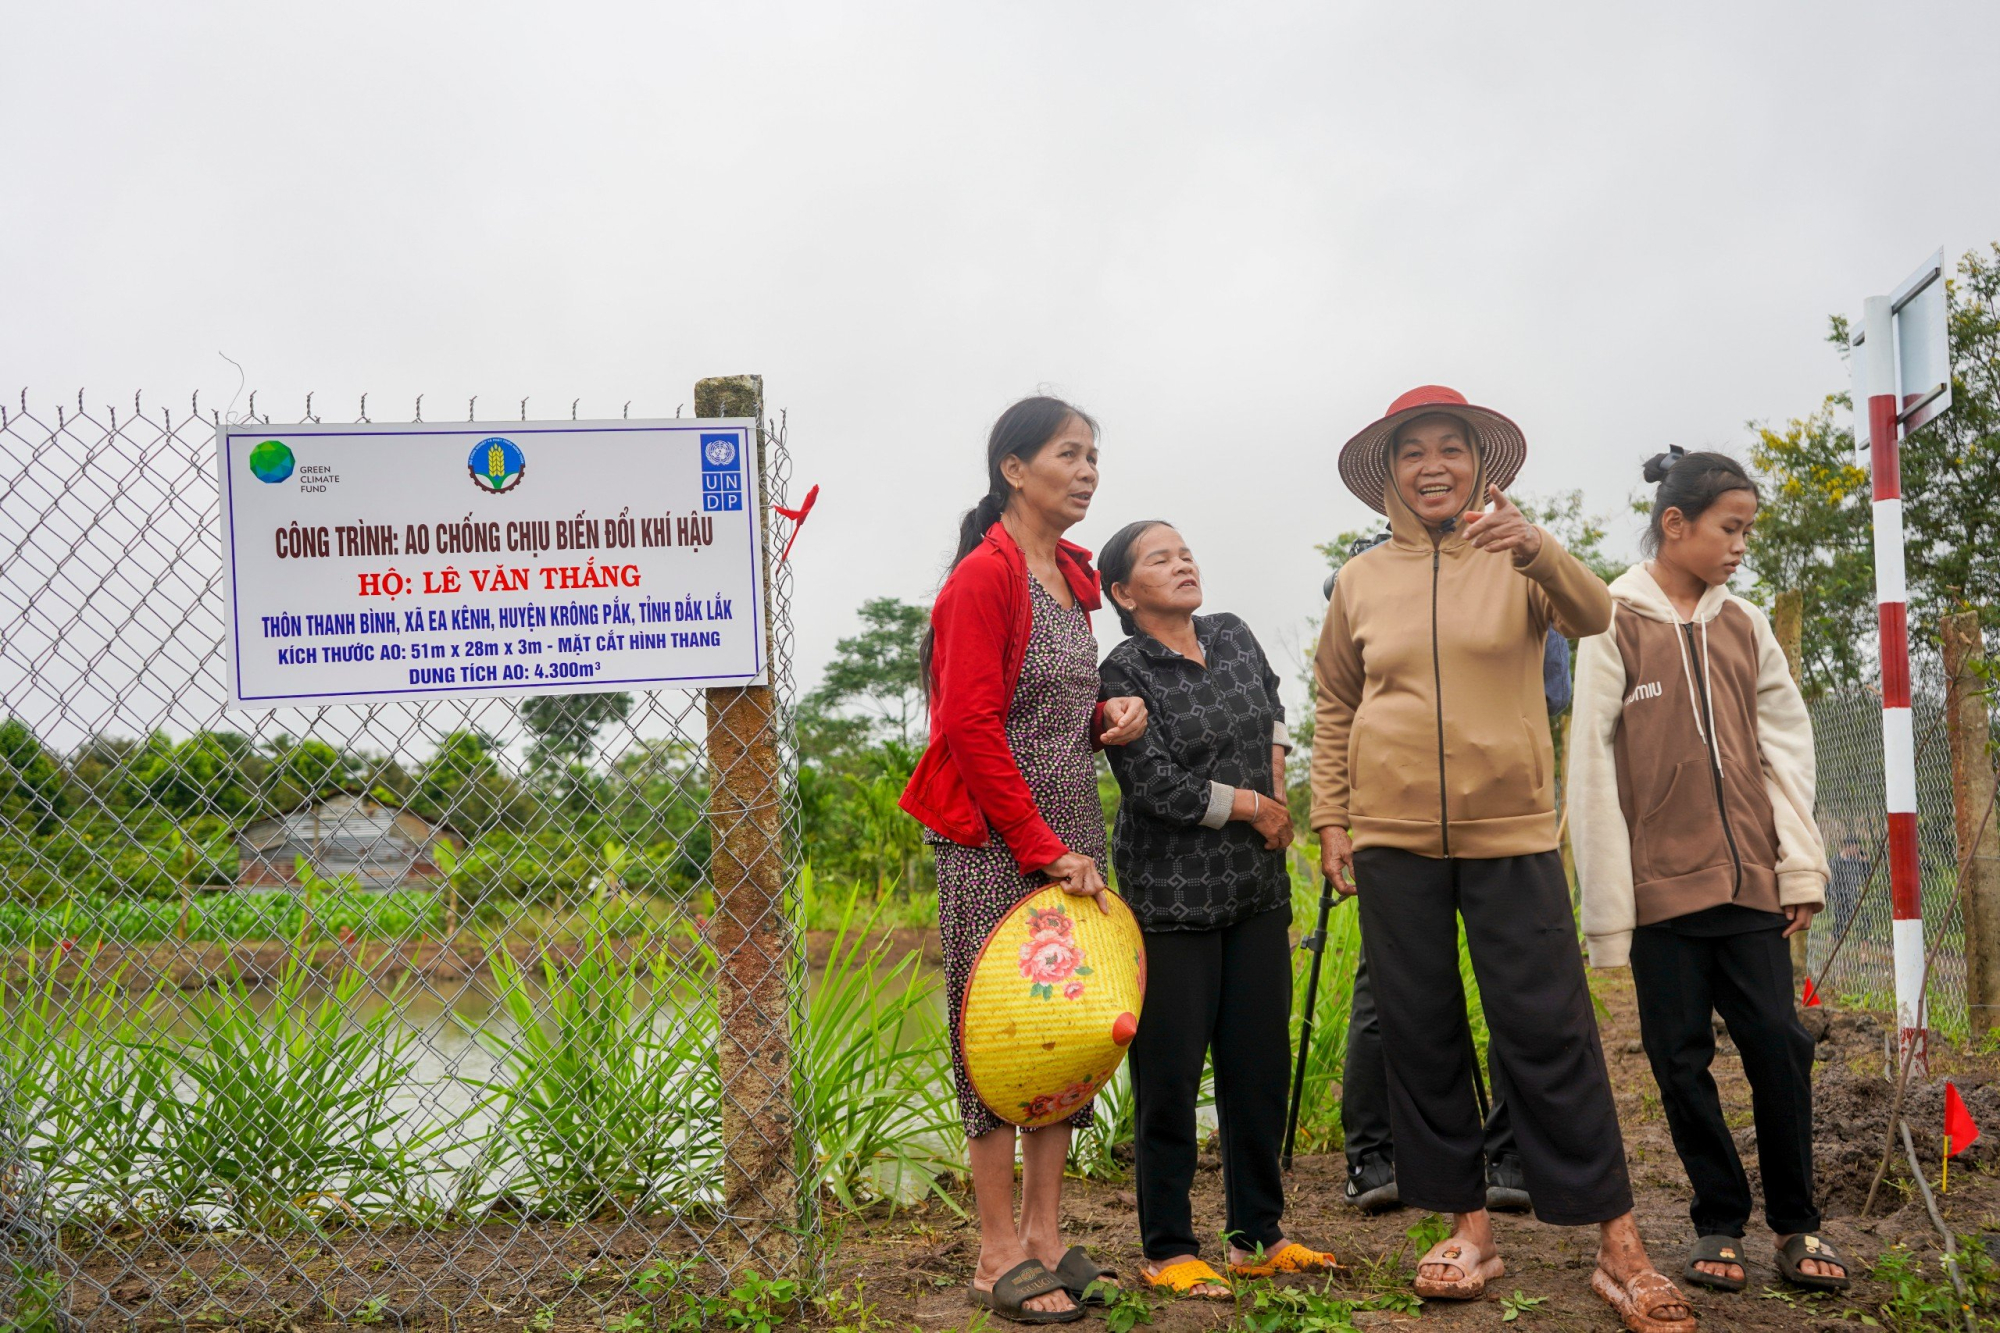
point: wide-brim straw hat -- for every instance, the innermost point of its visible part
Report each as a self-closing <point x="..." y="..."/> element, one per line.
<point x="1052" y="1003"/>
<point x="1364" y="460"/>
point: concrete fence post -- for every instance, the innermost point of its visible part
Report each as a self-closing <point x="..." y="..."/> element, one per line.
<point x="1788" y="625"/>
<point x="752" y="935"/>
<point x="1968" y="727"/>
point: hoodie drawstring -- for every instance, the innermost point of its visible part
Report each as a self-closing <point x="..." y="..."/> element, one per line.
<point x="1694" y="691"/>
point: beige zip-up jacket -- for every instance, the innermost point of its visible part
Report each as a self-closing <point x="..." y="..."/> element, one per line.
<point x="1690" y="767"/>
<point x="1432" y="731"/>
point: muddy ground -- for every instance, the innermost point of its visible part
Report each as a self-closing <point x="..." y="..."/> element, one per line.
<point x="912" y="1266"/>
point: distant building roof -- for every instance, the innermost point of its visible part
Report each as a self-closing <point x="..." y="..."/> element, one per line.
<point x="349" y="833"/>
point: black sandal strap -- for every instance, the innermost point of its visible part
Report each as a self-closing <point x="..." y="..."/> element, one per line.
<point x="1025" y="1281"/>
<point x="1811" y="1245"/>
<point x="1077" y="1262"/>
<point x="1716" y="1250"/>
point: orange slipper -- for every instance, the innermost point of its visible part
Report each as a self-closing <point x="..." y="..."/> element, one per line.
<point x="1182" y="1278"/>
<point x="1291" y="1257"/>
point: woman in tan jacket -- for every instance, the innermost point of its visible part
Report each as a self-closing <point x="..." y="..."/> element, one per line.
<point x="1434" y="797"/>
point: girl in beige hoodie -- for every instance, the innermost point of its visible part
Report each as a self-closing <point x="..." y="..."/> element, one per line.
<point x="1691" y="781"/>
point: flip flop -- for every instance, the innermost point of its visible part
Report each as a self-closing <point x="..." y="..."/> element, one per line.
<point x="1077" y="1270"/>
<point x="1474" y="1273"/>
<point x="1809" y="1245"/>
<point x="1716" y="1250"/>
<point x="1636" y="1300"/>
<point x="1291" y="1257"/>
<point x="1019" y="1285"/>
<point x="1182" y="1278"/>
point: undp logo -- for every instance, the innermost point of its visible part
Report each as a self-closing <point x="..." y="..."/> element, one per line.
<point x="496" y="465"/>
<point x="721" y="473"/>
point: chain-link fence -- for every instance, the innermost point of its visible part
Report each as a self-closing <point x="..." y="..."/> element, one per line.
<point x="1850" y="951"/>
<point x="455" y="1011"/>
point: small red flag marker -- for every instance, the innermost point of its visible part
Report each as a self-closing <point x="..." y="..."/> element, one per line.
<point x="1959" y="1130"/>
<point x="1811" y="995"/>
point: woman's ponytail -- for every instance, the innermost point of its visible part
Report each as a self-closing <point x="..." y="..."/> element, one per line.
<point x="972" y="528"/>
<point x="1020" y="432"/>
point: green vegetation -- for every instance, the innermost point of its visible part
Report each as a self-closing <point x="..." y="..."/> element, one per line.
<point x="1922" y="1296"/>
<point x="273" y="1108"/>
<point x="878" y="1093"/>
<point x="611" y="1095"/>
<point x="255" y="914"/>
<point x="279" y="1113"/>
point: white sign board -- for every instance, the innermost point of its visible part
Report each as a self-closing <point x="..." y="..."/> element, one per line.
<point x="1923" y="347"/>
<point x="1918" y="316"/>
<point x="381" y="561"/>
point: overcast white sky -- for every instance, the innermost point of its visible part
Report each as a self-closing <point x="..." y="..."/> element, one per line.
<point x="1233" y="232"/>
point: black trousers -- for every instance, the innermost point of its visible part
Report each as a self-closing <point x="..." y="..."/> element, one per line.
<point x="1747" y="978"/>
<point x="1522" y="936"/>
<point x="1364" y="1087"/>
<point x="1225" y="993"/>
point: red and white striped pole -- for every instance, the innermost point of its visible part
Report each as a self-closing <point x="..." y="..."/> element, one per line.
<point x="1899" y="754"/>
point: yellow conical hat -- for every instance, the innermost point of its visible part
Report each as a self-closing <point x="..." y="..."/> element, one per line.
<point x="1052" y="1004"/>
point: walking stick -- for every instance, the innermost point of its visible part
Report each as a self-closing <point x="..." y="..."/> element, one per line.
<point x="1317" y="943"/>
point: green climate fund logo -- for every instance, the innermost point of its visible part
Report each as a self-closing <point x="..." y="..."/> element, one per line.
<point x="271" y="461"/>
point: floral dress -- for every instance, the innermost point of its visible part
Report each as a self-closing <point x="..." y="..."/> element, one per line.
<point x="1048" y="729"/>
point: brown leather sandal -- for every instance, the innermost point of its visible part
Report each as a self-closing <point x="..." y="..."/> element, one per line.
<point x="1636" y="1300"/>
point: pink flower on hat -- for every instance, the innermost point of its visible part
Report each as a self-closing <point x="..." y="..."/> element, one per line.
<point x="1073" y="991"/>
<point x="1049" y="958"/>
<point x="1074" y="1094"/>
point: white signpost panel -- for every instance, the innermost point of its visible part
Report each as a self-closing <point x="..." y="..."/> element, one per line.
<point x="381" y="561"/>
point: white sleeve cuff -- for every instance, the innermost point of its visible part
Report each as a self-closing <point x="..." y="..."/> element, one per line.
<point x="1221" y="800"/>
<point x="1613" y="949"/>
<point x="1280" y="737"/>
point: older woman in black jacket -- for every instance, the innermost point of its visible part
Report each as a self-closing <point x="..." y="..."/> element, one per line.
<point x="1199" y="851"/>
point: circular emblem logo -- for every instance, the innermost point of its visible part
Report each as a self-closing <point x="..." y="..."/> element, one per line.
<point x="496" y="465"/>
<point x="721" y="453"/>
<point x="271" y="461"/>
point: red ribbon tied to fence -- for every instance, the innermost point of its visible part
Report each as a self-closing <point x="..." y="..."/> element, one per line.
<point x="798" y="517"/>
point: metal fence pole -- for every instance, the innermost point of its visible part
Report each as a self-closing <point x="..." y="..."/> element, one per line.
<point x="1969" y="726"/>
<point x="752" y="933"/>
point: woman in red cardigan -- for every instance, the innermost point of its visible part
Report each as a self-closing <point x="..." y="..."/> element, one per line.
<point x="1007" y="789"/>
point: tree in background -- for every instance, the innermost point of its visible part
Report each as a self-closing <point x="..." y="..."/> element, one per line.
<point x="31" y="779"/>
<point x="304" y="770"/>
<point x="858" y="743"/>
<point x="878" y="671"/>
<point x="211" y="772"/>
<point x="1815" y="529"/>
<point x="462" y="784"/>
<point x="564" y="727"/>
